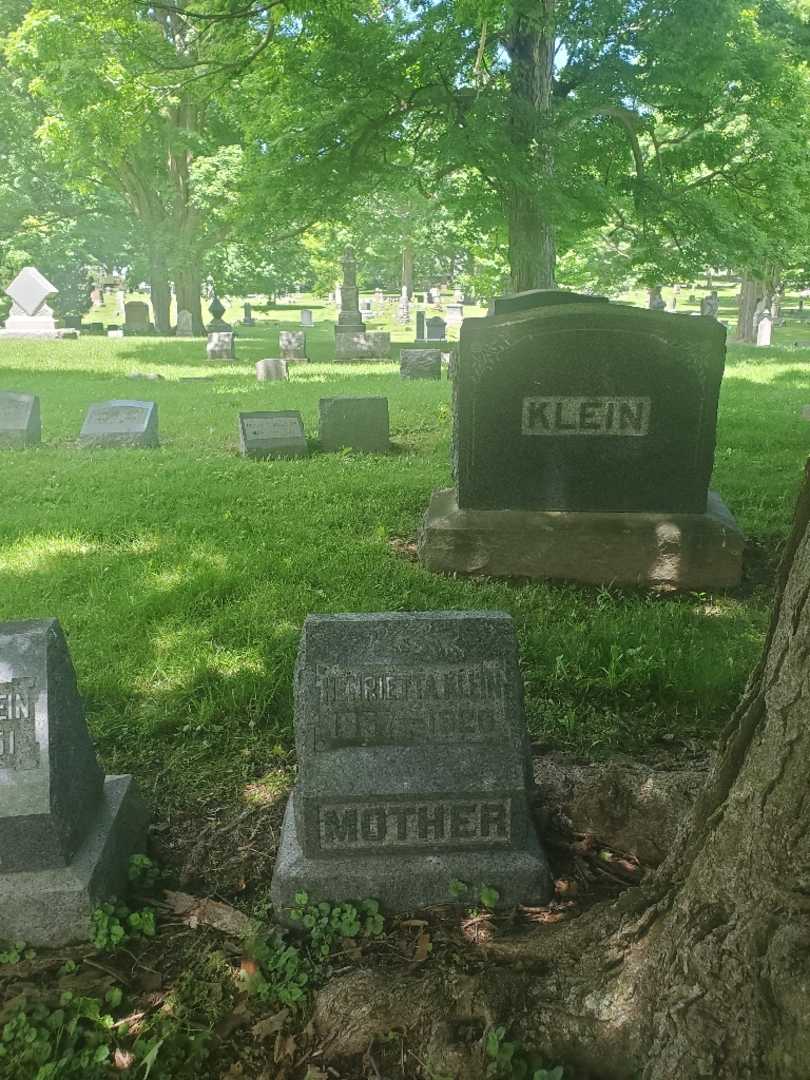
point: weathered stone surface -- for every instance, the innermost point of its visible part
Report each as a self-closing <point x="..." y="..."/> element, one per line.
<point x="370" y="345"/>
<point x="184" y="324"/>
<point x="359" y="423"/>
<point x="121" y="423"/>
<point x="65" y="834"/>
<point x="272" y="434"/>
<point x="271" y="370"/>
<point x="247" y="316"/>
<point x="684" y="551"/>
<point x="764" y="331"/>
<point x="306" y="317"/>
<point x="20" y="423"/>
<point x="420" y="363"/>
<point x="536" y="298"/>
<point x="436" y="328"/>
<point x="136" y="317"/>
<point x="292" y="344"/>
<point x="587" y="407"/>
<point x="455" y="314"/>
<point x="413" y="763"/>
<point x="221" y="346"/>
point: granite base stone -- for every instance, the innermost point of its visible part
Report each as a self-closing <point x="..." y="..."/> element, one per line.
<point x="682" y="551"/>
<point x="407" y="882"/>
<point x="49" y="908"/>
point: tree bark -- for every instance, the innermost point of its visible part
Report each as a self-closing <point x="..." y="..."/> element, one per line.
<point x="161" y="294"/>
<point x="532" y="250"/>
<point x="188" y="287"/>
<point x="701" y="973"/>
<point x="751" y="292"/>
<point x="407" y="269"/>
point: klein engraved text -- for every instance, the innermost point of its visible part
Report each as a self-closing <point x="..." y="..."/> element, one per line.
<point x="18" y="745"/>
<point x="426" y="824"/>
<point x="628" y="416"/>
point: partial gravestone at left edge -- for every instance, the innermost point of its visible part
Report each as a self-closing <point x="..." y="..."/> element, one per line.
<point x="20" y="422"/>
<point x="66" y="831"/>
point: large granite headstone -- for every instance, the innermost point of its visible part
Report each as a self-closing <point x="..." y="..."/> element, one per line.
<point x="121" y="423"/>
<point x="589" y="429"/>
<point x="20" y="423"/>
<point x="30" y="315"/>
<point x="420" y="363"/>
<point x="292" y="345"/>
<point x="66" y="832"/>
<point x="413" y="763"/>
<point x="277" y="434"/>
<point x="221" y="346"/>
<point x="136" y="317"/>
<point x="358" y="423"/>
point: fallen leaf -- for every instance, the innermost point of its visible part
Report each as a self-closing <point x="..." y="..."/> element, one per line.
<point x="271" y="1025"/>
<point x="195" y="911"/>
<point x="248" y="967"/>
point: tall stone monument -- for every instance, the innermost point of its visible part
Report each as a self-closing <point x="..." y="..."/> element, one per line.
<point x="584" y="437"/>
<point x="66" y="831"/>
<point x="413" y="763"/>
<point x="30" y="315"/>
<point x="217" y="309"/>
<point x="352" y="342"/>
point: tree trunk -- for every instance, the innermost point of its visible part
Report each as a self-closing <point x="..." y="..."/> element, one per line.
<point x="751" y="292"/>
<point x="532" y="250"/>
<point x="161" y="294"/>
<point x="188" y="286"/>
<point x="704" y="971"/>
<point x="407" y="269"/>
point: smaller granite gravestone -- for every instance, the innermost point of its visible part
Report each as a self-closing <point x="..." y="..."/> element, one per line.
<point x="710" y="305"/>
<point x="271" y="370"/>
<point x="136" y="317"/>
<point x="764" y="330"/>
<point x="370" y="345"/>
<point x="306" y="317"/>
<point x="20" y="424"/>
<point x="413" y="764"/>
<point x="116" y="332"/>
<point x="30" y="315"/>
<point x="247" y="319"/>
<point x="221" y="346"/>
<point x="66" y="831"/>
<point x="359" y="423"/>
<point x="292" y="344"/>
<point x="420" y="363"/>
<point x="217" y="309"/>
<point x="436" y="328"/>
<point x="455" y="314"/>
<point x="272" y="434"/>
<point x="121" y="423"/>
<point x="420" y="325"/>
<point x="184" y="324"/>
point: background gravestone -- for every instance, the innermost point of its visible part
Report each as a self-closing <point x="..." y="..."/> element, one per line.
<point x="292" y="344"/>
<point x="217" y="309"/>
<point x="271" y="370"/>
<point x="30" y="315"/>
<point x="413" y="763"/>
<point x="371" y="345"/>
<point x="136" y="317"/>
<point x="66" y="832"/>
<point x="121" y="423"/>
<point x="420" y="324"/>
<point x="306" y="317"/>
<point x="436" y="328"/>
<point x="589" y="428"/>
<point x="20" y="423"/>
<point x="272" y="434"/>
<point x="247" y="319"/>
<point x="420" y="363"/>
<point x="184" y="324"/>
<point x="221" y="346"/>
<point x="359" y="423"/>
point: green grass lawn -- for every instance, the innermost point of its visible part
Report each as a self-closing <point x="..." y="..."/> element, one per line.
<point x="182" y="575"/>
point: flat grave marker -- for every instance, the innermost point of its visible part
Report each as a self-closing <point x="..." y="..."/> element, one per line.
<point x="278" y="434"/>
<point x="121" y="423"/>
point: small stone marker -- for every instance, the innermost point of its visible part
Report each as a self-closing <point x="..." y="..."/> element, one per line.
<point x="271" y="370"/>
<point x="306" y="317"/>
<point x="66" y="831"/>
<point x="589" y="429"/>
<point x="455" y="314"/>
<point x="764" y="330"/>
<point x="420" y="363"/>
<point x="413" y="763"/>
<point x="420" y="324"/>
<point x="184" y="324"/>
<point x="221" y="346"/>
<point x="136" y="317"/>
<point x="20" y="423"/>
<point x="357" y="423"/>
<point x="247" y="319"/>
<point x="272" y="434"/>
<point x="292" y="344"/>
<point x="121" y="423"/>
<point x="436" y="328"/>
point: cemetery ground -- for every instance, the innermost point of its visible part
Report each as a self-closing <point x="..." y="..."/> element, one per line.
<point x="182" y="577"/>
